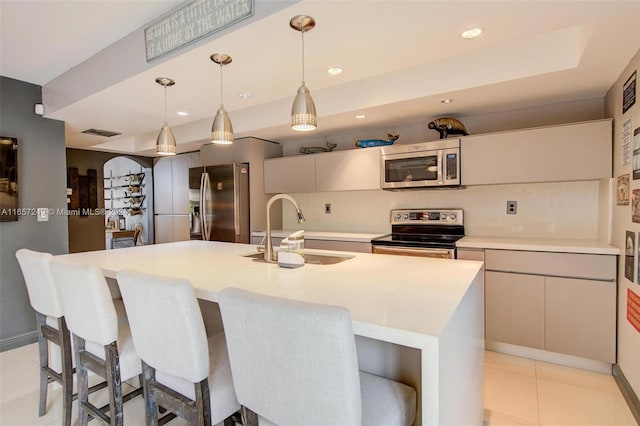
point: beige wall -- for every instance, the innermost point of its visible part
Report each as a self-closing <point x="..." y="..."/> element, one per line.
<point x="628" y="337"/>
<point x="554" y="210"/>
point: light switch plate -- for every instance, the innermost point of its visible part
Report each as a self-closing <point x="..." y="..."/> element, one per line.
<point x="43" y="215"/>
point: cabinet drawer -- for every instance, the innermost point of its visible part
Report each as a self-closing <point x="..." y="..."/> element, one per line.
<point x="591" y="266"/>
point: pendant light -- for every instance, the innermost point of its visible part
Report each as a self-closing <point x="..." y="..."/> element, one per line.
<point x="166" y="143"/>
<point x="221" y="130"/>
<point x="303" y="111"/>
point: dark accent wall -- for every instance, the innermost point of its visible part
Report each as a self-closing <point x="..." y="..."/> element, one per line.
<point x="86" y="233"/>
<point x="42" y="171"/>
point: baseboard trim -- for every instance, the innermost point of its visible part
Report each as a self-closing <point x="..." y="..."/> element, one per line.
<point x="627" y="391"/>
<point x="546" y="356"/>
<point x="19" y="340"/>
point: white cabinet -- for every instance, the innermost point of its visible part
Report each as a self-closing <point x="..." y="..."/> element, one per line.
<point x="570" y="152"/>
<point x="171" y="196"/>
<point x="470" y="254"/>
<point x="356" y="246"/>
<point x="351" y="170"/>
<point x="559" y="302"/>
<point x="290" y="174"/>
<point x="324" y="244"/>
<point x="348" y="170"/>
<point x="514" y="309"/>
<point x="162" y="186"/>
<point x="180" y="165"/>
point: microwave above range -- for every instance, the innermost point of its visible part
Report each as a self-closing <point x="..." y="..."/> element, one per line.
<point x="421" y="165"/>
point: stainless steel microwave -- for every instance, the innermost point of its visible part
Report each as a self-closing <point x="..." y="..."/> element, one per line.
<point x="421" y="165"/>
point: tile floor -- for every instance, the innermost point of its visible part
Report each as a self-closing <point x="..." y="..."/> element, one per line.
<point x="518" y="391"/>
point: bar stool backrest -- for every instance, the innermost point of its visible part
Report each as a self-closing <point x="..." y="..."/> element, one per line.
<point x="292" y="362"/>
<point x="86" y="301"/>
<point x="166" y="324"/>
<point x="43" y="294"/>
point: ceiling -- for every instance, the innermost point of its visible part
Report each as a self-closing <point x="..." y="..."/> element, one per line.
<point x="400" y="58"/>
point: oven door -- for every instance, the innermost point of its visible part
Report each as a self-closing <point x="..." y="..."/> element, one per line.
<point x="415" y="251"/>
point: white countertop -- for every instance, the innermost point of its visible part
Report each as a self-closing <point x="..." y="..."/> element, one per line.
<point x="538" y="244"/>
<point x="321" y="235"/>
<point x="401" y="299"/>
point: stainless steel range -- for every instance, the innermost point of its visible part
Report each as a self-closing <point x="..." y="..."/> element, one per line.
<point x="422" y="232"/>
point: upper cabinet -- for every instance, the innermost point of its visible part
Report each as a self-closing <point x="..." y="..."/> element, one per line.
<point x="570" y="152"/>
<point x="290" y="174"/>
<point x="171" y="182"/>
<point x="349" y="170"/>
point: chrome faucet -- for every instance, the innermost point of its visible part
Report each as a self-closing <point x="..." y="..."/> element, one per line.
<point x="269" y="254"/>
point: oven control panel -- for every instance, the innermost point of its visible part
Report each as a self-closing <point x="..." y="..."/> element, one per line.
<point x="427" y="216"/>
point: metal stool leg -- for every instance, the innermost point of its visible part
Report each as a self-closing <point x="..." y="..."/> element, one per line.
<point x="44" y="363"/>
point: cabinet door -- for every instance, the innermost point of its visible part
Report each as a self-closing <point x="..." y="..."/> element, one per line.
<point x="356" y="246"/>
<point x="470" y="254"/>
<point x="290" y="174"/>
<point x="352" y="170"/>
<point x="580" y="318"/>
<point x="162" y="186"/>
<point x="180" y="182"/>
<point x="163" y="229"/>
<point x="181" y="228"/>
<point x="514" y="309"/>
<point x="571" y="152"/>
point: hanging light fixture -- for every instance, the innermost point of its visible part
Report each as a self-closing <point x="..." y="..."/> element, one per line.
<point x="166" y="143"/>
<point x="303" y="111"/>
<point x="221" y="130"/>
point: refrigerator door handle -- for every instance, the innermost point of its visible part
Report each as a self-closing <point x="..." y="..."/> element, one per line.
<point x="236" y="202"/>
<point x="204" y="181"/>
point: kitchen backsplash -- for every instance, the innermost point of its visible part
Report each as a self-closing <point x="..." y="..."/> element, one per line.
<point x="545" y="210"/>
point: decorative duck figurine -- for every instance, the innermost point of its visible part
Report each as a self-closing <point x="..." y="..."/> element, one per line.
<point x="367" y="143"/>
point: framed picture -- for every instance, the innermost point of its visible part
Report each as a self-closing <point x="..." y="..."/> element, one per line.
<point x="9" y="209"/>
<point x="629" y="255"/>
<point x="635" y="205"/>
<point x="622" y="193"/>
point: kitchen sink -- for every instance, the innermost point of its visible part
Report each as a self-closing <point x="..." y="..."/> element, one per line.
<point x="310" y="258"/>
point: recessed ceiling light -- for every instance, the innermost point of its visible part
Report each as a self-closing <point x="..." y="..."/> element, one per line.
<point x="446" y="100"/>
<point x="182" y="113"/>
<point x="472" y="32"/>
<point x="360" y="116"/>
<point x="244" y="95"/>
<point x="335" y="70"/>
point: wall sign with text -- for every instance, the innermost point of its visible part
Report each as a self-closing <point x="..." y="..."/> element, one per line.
<point x="192" y="22"/>
<point x="629" y="92"/>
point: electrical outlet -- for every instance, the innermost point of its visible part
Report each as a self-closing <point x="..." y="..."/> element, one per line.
<point x="512" y="207"/>
<point x="327" y="208"/>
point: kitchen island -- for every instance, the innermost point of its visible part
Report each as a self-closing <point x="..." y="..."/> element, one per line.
<point x="403" y="308"/>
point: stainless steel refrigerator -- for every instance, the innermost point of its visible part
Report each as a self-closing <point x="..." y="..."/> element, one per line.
<point x="219" y="203"/>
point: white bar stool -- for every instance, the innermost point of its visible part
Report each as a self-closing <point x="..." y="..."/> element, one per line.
<point x="51" y="327"/>
<point x="295" y="363"/>
<point x="183" y="371"/>
<point x="102" y="343"/>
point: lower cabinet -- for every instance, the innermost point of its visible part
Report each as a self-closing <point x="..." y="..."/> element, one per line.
<point x="580" y="317"/>
<point x="171" y="228"/>
<point x="514" y="309"/>
<point x="559" y="302"/>
<point x="339" y="245"/>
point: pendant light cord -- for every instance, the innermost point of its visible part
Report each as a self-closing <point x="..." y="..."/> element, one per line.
<point x="221" y="94"/>
<point x="165" y="105"/>
<point x="302" y="32"/>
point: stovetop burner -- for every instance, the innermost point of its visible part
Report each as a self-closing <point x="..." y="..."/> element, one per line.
<point x="424" y="228"/>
